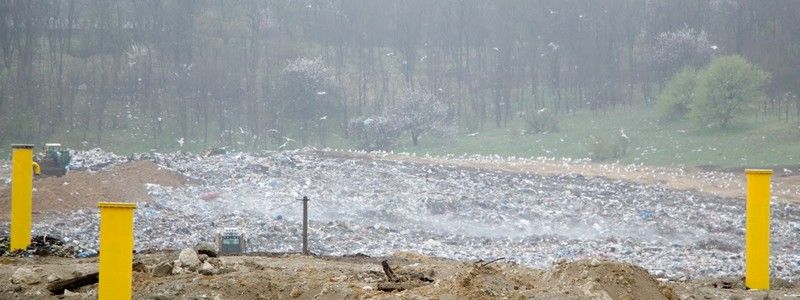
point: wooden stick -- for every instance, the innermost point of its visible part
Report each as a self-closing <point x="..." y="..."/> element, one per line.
<point x="492" y="261"/>
<point x="58" y="287"/>
<point x="388" y="271"/>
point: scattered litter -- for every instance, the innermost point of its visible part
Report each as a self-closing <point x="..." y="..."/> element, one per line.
<point x="379" y="206"/>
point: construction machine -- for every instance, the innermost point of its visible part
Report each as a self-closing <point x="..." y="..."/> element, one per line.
<point x="231" y="240"/>
<point x="54" y="160"/>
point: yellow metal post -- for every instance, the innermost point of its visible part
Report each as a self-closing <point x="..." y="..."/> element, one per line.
<point x="21" y="196"/>
<point x="116" y="250"/>
<point x="757" y="229"/>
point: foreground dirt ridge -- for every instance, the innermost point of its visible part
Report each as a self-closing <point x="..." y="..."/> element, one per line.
<point x="187" y="275"/>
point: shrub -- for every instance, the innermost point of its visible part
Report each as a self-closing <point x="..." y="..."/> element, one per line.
<point x="541" y="122"/>
<point x="374" y="133"/>
<point x="675" y="99"/>
<point x="601" y="149"/>
<point x="730" y="86"/>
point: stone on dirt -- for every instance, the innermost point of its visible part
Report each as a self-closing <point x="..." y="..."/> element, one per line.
<point x="207" y="269"/>
<point x="24" y="275"/>
<point x="207" y="249"/>
<point x="161" y="269"/>
<point x="188" y="258"/>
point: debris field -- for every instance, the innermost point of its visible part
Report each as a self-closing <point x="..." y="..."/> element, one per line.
<point x="362" y="204"/>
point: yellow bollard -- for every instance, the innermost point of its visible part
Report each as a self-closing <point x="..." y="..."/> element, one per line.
<point x="21" y="196"/>
<point x="116" y="250"/>
<point x="757" y="230"/>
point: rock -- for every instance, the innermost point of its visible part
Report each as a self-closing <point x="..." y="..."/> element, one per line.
<point x="207" y="249"/>
<point x="202" y="257"/>
<point x="188" y="258"/>
<point x="176" y="268"/>
<point x="68" y="293"/>
<point x="52" y="278"/>
<point x="24" y="275"/>
<point x="162" y="269"/>
<point x="207" y="269"/>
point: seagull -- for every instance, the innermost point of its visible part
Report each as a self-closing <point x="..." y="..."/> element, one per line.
<point x="323" y="118"/>
<point x="473" y="134"/>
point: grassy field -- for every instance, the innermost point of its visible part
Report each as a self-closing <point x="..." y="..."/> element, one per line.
<point x="748" y="143"/>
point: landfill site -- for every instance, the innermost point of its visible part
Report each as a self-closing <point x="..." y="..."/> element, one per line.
<point x="400" y="226"/>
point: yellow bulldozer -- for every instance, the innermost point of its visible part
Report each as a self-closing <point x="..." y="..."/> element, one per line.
<point x="53" y="161"/>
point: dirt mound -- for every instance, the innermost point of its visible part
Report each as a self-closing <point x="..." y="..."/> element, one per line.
<point x="605" y="280"/>
<point x="83" y="189"/>
<point x="293" y="276"/>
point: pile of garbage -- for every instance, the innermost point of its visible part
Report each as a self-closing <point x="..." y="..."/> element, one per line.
<point x="377" y="207"/>
<point x="42" y="245"/>
<point x="94" y="160"/>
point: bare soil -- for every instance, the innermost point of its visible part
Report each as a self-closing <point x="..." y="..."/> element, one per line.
<point x="83" y="189"/>
<point x="292" y="276"/>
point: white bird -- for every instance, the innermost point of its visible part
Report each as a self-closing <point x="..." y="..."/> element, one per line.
<point x="473" y="134"/>
<point x="323" y="118"/>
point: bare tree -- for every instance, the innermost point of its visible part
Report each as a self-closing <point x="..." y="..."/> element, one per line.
<point x="420" y="112"/>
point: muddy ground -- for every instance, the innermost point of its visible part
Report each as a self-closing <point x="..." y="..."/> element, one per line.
<point x="292" y="276"/>
<point x="83" y="189"/>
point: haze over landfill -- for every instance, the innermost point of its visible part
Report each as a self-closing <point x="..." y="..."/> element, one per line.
<point x="539" y="149"/>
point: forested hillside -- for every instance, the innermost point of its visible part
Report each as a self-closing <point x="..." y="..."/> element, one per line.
<point x="283" y="74"/>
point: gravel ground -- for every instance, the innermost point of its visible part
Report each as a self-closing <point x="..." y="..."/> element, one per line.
<point x="378" y="207"/>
